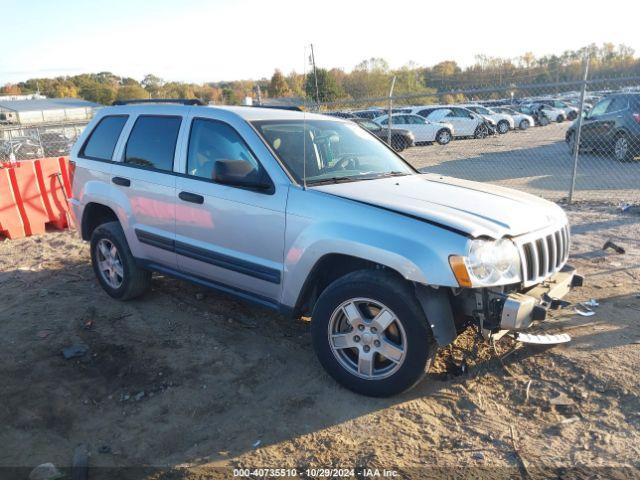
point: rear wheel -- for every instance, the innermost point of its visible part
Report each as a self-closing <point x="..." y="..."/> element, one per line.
<point x="560" y="118"/>
<point x="114" y="264"/>
<point x="371" y="335"/>
<point x="443" y="136"/>
<point x="503" y="127"/>
<point x="622" y="149"/>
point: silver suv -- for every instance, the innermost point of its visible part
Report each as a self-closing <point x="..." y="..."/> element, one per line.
<point x="314" y="216"/>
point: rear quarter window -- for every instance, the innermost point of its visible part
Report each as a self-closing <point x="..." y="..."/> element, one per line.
<point x="102" y="140"/>
<point x="152" y="142"/>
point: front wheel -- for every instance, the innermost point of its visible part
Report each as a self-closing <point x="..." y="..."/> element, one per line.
<point x="622" y="149"/>
<point x="371" y="335"/>
<point x="481" y="131"/>
<point x="443" y="136"/>
<point x="524" y="124"/>
<point x="503" y="127"/>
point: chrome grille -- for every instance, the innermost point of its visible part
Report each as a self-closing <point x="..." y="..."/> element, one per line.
<point x="543" y="254"/>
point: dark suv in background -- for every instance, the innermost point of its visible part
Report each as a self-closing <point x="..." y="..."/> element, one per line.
<point x="612" y="126"/>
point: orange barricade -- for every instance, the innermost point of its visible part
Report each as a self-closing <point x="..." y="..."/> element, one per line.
<point x="11" y="224"/>
<point x="32" y="195"/>
<point x="50" y="181"/>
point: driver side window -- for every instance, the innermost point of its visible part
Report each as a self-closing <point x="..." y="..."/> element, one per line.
<point x="212" y="140"/>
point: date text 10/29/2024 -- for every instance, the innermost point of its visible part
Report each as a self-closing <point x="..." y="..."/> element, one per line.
<point x="314" y="473"/>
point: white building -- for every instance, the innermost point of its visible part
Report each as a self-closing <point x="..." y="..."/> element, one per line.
<point x="48" y="110"/>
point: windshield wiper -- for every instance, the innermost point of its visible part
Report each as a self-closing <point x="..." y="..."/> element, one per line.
<point x="320" y="181"/>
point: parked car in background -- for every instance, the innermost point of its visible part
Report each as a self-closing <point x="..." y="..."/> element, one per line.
<point x="401" y="138"/>
<point x="554" y="114"/>
<point x="423" y="130"/>
<point x="369" y="114"/>
<point x="612" y="126"/>
<point x="539" y="116"/>
<point x="520" y="120"/>
<point x="465" y="122"/>
<point x="503" y="122"/>
<point x="570" y="111"/>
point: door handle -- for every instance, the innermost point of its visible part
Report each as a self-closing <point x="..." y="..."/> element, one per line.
<point x="123" y="182"/>
<point x="191" y="197"/>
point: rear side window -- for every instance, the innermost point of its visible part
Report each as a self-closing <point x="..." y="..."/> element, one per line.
<point x="152" y="142"/>
<point x="102" y="140"/>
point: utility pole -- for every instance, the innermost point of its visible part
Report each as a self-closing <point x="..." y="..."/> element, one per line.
<point x="315" y="76"/>
<point x="576" y="140"/>
<point x="389" y="125"/>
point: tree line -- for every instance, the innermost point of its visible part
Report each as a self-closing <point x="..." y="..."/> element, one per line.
<point x="370" y="78"/>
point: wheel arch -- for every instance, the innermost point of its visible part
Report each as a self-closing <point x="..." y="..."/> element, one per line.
<point x="94" y="215"/>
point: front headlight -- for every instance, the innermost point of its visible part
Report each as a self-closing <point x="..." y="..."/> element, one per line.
<point x="487" y="263"/>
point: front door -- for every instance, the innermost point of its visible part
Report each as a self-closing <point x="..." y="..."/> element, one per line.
<point x="227" y="234"/>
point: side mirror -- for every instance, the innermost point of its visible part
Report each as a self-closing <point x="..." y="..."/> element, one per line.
<point x="240" y="173"/>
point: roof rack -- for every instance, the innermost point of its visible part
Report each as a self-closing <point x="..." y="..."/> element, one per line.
<point x="181" y="101"/>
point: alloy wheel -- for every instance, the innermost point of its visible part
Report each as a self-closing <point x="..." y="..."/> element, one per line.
<point x="367" y="338"/>
<point x="109" y="263"/>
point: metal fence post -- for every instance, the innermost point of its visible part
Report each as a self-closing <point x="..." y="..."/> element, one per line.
<point x="389" y="125"/>
<point x="576" y="143"/>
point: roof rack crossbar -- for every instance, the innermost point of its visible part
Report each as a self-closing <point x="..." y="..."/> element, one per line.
<point x="181" y="101"/>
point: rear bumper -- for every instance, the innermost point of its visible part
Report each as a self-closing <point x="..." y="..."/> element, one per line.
<point x="520" y="310"/>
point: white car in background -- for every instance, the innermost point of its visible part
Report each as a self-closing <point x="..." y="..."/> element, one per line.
<point x="552" y="113"/>
<point x="503" y="122"/>
<point x="520" y="120"/>
<point x="465" y="122"/>
<point x="422" y="129"/>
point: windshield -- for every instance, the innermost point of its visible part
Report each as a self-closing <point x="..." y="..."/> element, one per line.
<point x="334" y="151"/>
<point x="480" y="110"/>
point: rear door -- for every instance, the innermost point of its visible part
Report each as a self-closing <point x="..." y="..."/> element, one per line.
<point x="144" y="176"/>
<point x="230" y="235"/>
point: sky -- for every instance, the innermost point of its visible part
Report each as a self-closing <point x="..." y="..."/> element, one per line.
<point x="216" y="40"/>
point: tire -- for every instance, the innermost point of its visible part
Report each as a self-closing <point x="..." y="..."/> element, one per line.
<point x="622" y="148"/>
<point x="398" y="143"/>
<point x="524" y="124"/>
<point x="560" y="118"/>
<point x="117" y="272"/>
<point x="443" y="136"/>
<point x="503" y="127"/>
<point x="572" y="115"/>
<point x="481" y="131"/>
<point x="544" y="121"/>
<point x="571" y="138"/>
<point x="353" y="359"/>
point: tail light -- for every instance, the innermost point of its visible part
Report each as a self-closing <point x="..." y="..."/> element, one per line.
<point x="636" y="117"/>
<point x="72" y="170"/>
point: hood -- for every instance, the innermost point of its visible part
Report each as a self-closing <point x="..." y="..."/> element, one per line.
<point x="476" y="209"/>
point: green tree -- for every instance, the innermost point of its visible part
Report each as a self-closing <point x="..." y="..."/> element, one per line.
<point x="100" y="93"/>
<point x="278" y="86"/>
<point x="152" y="84"/>
<point x="328" y="89"/>
<point x="130" y="92"/>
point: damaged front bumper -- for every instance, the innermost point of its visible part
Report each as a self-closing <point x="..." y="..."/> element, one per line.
<point x="520" y="310"/>
<point x="499" y="312"/>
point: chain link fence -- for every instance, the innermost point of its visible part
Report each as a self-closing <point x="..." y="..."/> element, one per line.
<point x="519" y="136"/>
<point x="45" y="140"/>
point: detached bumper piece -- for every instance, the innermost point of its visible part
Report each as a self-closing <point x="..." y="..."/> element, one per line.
<point x="520" y="310"/>
<point x="543" y="338"/>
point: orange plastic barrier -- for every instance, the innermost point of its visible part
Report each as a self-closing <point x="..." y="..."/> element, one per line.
<point x="32" y="195"/>
<point x="11" y="225"/>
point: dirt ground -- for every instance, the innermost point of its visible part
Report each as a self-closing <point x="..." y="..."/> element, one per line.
<point x="193" y="383"/>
